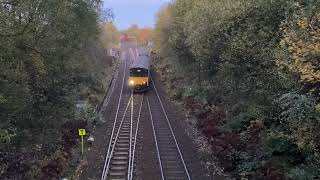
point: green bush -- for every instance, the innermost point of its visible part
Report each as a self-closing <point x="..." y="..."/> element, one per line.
<point x="299" y="174"/>
<point x="282" y="146"/>
<point x="241" y="121"/>
<point x="247" y="168"/>
<point x="299" y="117"/>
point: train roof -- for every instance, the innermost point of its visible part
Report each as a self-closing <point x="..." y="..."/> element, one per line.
<point x="141" y="62"/>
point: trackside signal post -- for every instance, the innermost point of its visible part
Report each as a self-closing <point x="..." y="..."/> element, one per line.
<point x="82" y="132"/>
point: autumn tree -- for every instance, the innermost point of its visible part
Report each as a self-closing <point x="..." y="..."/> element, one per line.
<point x="139" y="35"/>
<point x="161" y="31"/>
<point x="145" y="35"/>
<point x="110" y="36"/>
<point x="49" y="55"/>
<point x="254" y="66"/>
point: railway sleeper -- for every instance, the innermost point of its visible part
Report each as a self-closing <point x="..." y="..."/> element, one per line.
<point x="121" y="149"/>
<point x="171" y="164"/>
<point x="124" y="135"/>
<point x="120" y="158"/>
<point x="121" y="141"/>
<point x="176" y="172"/>
<point x="121" y="153"/>
<point x="164" y="138"/>
<point x="121" y="136"/>
<point x="170" y="158"/>
<point x="119" y="168"/>
<point x="117" y="178"/>
<point x="125" y="131"/>
<point x="167" y="147"/>
<point x="118" y="173"/>
<point x="119" y="163"/>
<point x="122" y="145"/>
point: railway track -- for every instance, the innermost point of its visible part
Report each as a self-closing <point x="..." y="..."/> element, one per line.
<point x="171" y="162"/>
<point x="120" y="155"/>
<point x="119" y="160"/>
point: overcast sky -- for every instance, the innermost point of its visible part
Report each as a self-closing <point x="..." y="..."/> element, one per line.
<point x="128" y="12"/>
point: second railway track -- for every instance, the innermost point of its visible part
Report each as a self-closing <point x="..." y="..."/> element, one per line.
<point x="171" y="161"/>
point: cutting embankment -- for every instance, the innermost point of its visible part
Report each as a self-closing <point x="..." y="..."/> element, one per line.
<point x="53" y="73"/>
<point x="247" y="74"/>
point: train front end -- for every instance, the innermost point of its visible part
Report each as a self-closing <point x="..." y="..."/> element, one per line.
<point x="139" y="79"/>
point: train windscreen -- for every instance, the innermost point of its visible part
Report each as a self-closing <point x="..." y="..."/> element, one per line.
<point x="138" y="72"/>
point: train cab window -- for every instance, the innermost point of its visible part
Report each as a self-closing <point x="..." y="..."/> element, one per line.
<point x="138" y="72"/>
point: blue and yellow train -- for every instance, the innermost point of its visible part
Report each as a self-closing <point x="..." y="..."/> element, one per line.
<point x="139" y="76"/>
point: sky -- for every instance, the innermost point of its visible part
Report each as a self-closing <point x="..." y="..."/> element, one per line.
<point x="128" y="12"/>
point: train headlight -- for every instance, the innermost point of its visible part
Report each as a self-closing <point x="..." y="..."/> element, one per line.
<point x="144" y="82"/>
<point x="131" y="82"/>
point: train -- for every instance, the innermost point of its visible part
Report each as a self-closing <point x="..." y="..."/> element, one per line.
<point x="139" y="72"/>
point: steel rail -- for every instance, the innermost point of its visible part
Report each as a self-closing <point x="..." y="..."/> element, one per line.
<point x="116" y="137"/>
<point x="115" y="119"/>
<point x="175" y="140"/>
<point x="155" y="138"/>
<point x="108" y="157"/>
<point x="114" y="80"/>
<point x="135" y="140"/>
<point x="130" y="141"/>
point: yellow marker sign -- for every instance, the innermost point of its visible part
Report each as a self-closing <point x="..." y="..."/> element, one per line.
<point x="82" y="132"/>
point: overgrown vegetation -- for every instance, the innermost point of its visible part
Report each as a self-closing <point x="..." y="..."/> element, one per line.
<point x="111" y="36"/>
<point x="249" y="71"/>
<point x="51" y="60"/>
<point x="139" y="35"/>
